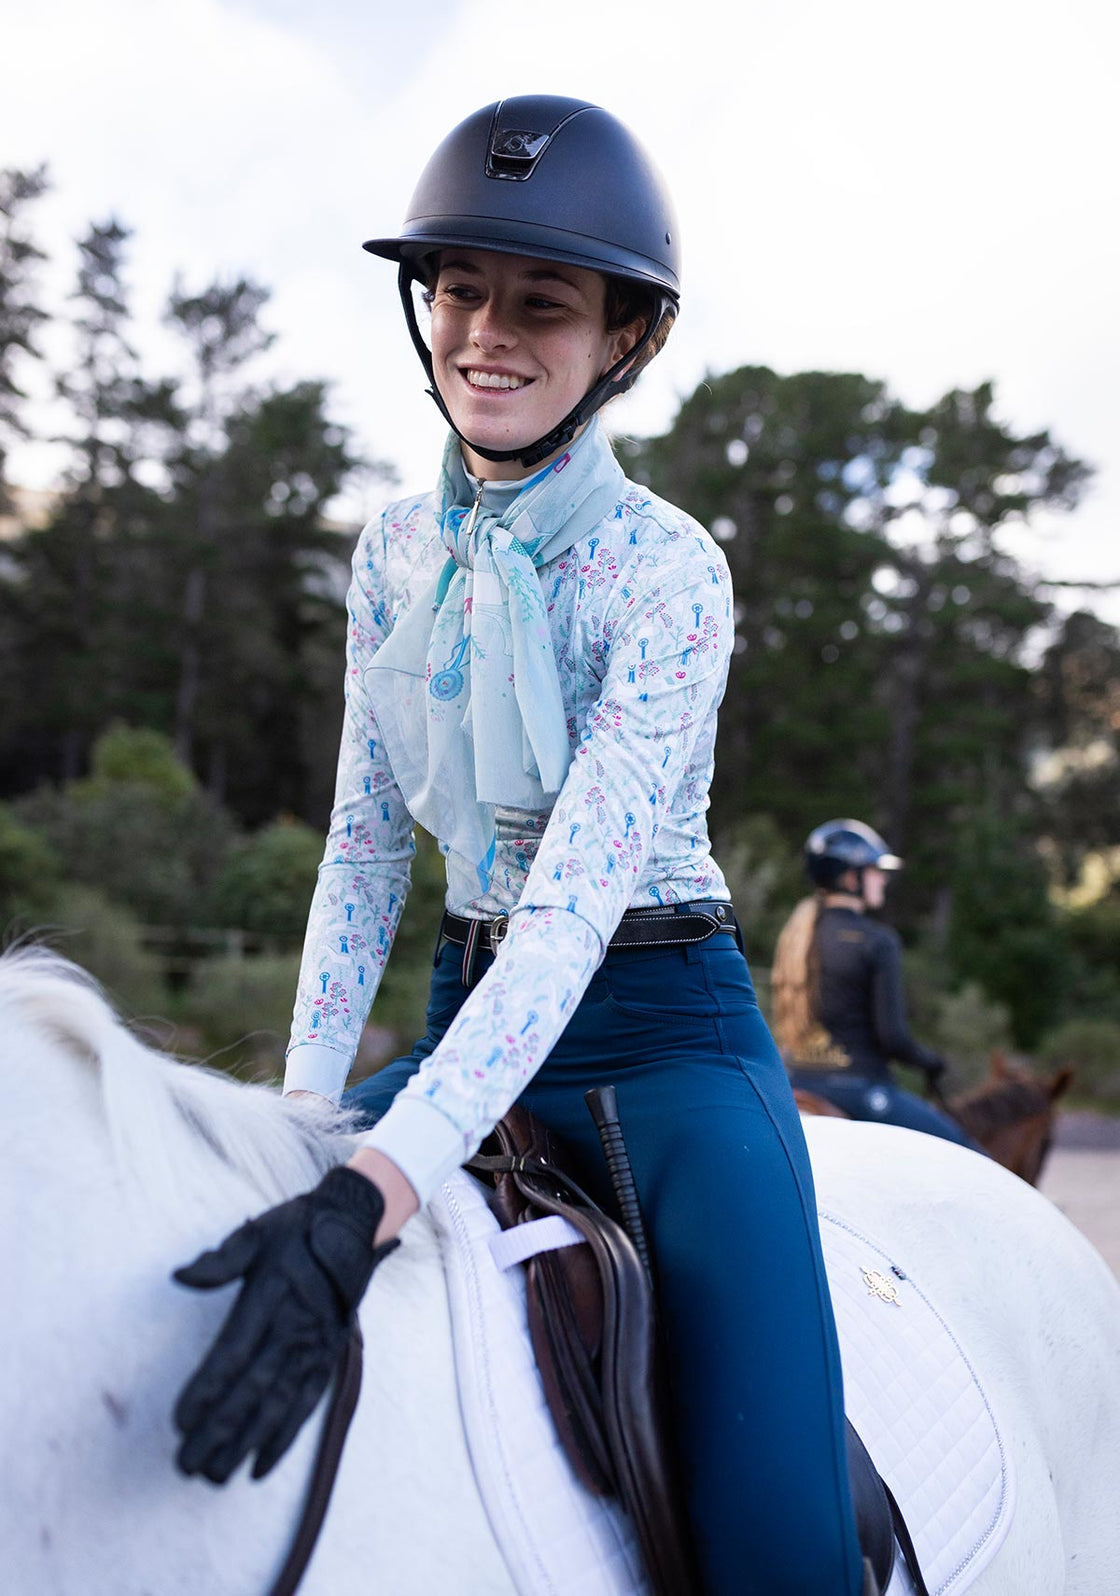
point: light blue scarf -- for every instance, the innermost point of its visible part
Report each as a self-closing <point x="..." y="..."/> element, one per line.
<point x="465" y="688"/>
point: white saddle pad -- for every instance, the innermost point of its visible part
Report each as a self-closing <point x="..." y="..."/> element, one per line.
<point x="910" y="1392"/>
<point x="914" y="1398"/>
<point x="557" y="1539"/>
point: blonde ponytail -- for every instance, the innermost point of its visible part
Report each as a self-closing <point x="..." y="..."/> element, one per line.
<point x="794" y="980"/>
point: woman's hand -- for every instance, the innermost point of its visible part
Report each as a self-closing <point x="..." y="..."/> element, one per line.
<point x="304" y="1267"/>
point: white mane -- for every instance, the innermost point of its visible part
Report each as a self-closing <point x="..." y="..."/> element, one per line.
<point x="177" y="1130"/>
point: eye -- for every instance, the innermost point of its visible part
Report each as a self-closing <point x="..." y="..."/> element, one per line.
<point x="462" y="293"/>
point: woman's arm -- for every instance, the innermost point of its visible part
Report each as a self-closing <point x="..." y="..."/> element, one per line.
<point x="364" y="877"/>
<point x="889" y="1000"/>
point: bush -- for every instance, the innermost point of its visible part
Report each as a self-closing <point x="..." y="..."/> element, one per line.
<point x="1003" y="932"/>
<point x="106" y="940"/>
<point x="241" y="1012"/>
<point x="28" y="874"/>
<point x="765" y="879"/>
<point x="266" y="885"/>
<point x="139" y="829"/>
<point x="967" y="1029"/>
<point x="1092" y="1048"/>
<point x="136" y="756"/>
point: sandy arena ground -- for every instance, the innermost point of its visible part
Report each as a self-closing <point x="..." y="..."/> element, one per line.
<point x="1082" y="1177"/>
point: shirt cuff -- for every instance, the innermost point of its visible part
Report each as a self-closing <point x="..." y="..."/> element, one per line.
<point x="311" y="1067"/>
<point x="423" y="1143"/>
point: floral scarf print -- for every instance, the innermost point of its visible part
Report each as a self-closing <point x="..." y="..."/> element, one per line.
<point x="473" y="659"/>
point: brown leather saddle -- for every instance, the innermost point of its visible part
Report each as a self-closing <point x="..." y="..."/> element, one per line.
<point x="593" y="1326"/>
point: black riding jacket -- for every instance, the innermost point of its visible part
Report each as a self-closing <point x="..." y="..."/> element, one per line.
<point x="861" y="1001"/>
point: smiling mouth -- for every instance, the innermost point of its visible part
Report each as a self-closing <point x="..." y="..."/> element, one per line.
<point x="495" y="381"/>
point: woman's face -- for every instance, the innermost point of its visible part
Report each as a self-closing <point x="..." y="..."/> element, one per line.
<point x="516" y="343"/>
<point x="874" y="887"/>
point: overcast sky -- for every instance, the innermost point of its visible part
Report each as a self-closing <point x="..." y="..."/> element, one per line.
<point x="926" y="194"/>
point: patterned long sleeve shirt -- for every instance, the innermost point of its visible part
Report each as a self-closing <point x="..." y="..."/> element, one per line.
<point x="641" y="618"/>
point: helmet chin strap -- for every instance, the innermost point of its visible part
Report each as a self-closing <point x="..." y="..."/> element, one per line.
<point x="613" y="382"/>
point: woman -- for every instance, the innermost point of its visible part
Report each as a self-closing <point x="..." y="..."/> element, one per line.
<point x="839" y="1003"/>
<point x="537" y="653"/>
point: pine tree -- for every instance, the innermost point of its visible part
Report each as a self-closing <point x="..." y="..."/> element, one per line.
<point x="21" y="316"/>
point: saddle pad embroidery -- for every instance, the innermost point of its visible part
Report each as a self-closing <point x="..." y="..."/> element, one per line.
<point x="914" y="1398"/>
<point x="557" y="1539"/>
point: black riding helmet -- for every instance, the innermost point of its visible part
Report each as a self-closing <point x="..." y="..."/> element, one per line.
<point x="841" y="845"/>
<point x="553" y="178"/>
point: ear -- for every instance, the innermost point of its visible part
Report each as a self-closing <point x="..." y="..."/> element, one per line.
<point x="621" y="341"/>
<point x="1000" y="1069"/>
<point x="1060" y="1083"/>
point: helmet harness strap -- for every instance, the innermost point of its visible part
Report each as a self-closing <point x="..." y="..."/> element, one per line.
<point x="613" y="382"/>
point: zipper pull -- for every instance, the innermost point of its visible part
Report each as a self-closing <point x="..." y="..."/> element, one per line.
<point x="473" y="517"/>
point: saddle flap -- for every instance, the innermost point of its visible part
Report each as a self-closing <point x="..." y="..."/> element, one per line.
<point x="592" y="1326"/>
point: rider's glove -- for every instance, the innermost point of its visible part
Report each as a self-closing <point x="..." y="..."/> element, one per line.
<point x="935" y="1067"/>
<point x="305" y="1266"/>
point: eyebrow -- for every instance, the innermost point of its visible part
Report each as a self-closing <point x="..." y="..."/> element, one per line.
<point x="537" y="274"/>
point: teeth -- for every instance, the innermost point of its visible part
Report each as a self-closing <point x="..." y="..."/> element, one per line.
<point x="493" y="379"/>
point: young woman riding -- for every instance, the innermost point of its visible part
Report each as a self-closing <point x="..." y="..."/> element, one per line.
<point x="839" y="1003"/>
<point x="537" y="653"/>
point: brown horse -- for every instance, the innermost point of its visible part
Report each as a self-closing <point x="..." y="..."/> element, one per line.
<point x="1011" y="1114"/>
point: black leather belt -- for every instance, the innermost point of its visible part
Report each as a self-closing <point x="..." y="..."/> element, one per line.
<point x="656" y="926"/>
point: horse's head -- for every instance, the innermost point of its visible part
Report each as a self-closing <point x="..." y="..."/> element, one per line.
<point x="1011" y="1114"/>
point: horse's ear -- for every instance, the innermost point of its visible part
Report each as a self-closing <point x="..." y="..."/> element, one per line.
<point x="1000" y="1069"/>
<point x="1060" y="1082"/>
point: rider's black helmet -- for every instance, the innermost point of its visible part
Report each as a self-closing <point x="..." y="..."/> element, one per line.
<point x="554" y="178"/>
<point x="840" y="845"/>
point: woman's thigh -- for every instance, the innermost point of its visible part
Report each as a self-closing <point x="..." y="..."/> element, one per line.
<point x="727" y="1194"/>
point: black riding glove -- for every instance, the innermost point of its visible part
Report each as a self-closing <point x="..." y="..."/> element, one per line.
<point x="935" y="1067"/>
<point x="305" y="1265"/>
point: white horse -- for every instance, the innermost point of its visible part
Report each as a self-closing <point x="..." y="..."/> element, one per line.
<point x="117" y="1164"/>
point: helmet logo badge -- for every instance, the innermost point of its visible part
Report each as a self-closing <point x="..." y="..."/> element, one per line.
<point x="514" y="153"/>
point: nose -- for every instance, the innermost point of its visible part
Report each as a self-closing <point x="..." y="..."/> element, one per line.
<point x="490" y="329"/>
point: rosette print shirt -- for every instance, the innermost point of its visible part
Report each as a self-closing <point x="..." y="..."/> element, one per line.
<point x="640" y="614"/>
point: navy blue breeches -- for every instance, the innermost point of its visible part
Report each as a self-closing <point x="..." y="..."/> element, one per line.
<point x="727" y="1194"/>
<point x="872" y="1098"/>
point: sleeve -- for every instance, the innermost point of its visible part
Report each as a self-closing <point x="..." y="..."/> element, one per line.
<point x="364" y="877"/>
<point x="670" y="645"/>
<point x="889" y="1005"/>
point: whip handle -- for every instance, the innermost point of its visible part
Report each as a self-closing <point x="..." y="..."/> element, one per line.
<point x="603" y="1103"/>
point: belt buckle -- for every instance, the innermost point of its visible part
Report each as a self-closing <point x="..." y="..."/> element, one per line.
<point x="496" y="931"/>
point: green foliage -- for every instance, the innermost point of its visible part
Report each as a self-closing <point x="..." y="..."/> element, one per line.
<point x="1092" y="1047"/>
<point x="267" y="884"/>
<point x="28" y="874"/>
<point x="21" y="316"/>
<point x="107" y="940"/>
<point x="1003" y="931"/>
<point x="880" y="665"/>
<point x="238" y="1011"/>
<point x="765" y="878"/>
<point x="967" y="1029"/>
<point x="137" y="757"/>
<point x="138" y="830"/>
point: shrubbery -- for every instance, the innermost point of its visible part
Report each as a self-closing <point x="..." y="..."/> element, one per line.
<point x="1092" y="1048"/>
<point x="268" y="880"/>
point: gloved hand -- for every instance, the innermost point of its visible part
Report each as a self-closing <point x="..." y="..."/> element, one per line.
<point x="306" y="1265"/>
<point x="935" y="1067"/>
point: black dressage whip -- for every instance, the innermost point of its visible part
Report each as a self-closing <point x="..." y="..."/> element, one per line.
<point x="603" y="1103"/>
